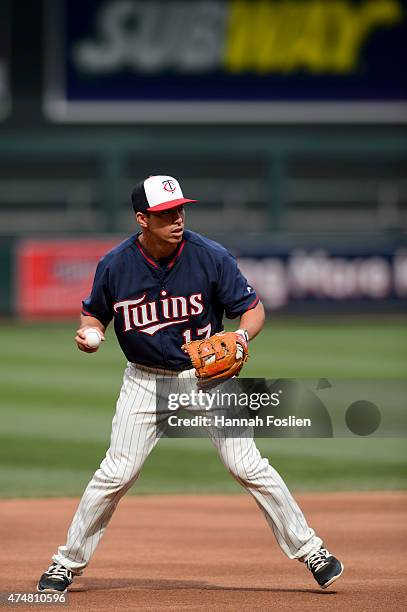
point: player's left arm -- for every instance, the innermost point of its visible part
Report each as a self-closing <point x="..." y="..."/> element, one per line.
<point x="253" y="320"/>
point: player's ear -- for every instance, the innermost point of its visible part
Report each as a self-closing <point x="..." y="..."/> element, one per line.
<point x="142" y="219"/>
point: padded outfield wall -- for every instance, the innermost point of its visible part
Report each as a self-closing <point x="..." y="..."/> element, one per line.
<point x="49" y="277"/>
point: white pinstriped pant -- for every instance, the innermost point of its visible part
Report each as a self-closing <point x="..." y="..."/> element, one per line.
<point x="133" y="437"/>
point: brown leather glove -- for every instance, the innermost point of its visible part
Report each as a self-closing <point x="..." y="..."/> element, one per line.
<point x="219" y="357"/>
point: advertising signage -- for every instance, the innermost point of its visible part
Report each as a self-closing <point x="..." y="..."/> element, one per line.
<point x="54" y="276"/>
<point x="226" y="60"/>
<point x="5" y="29"/>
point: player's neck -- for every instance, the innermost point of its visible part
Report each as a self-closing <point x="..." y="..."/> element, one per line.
<point x="154" y="248"/>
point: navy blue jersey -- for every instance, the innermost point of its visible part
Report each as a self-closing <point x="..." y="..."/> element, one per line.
<point x="159" y="305"/>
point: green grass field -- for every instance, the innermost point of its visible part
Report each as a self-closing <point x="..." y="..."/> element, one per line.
<point x="56" y="406"/>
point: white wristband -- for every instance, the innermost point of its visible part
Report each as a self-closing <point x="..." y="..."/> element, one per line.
<point x="244" y="333"/>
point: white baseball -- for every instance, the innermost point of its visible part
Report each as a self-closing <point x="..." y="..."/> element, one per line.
<point x="93" y="338"/>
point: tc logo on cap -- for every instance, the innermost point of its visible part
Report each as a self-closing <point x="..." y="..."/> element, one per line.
<point x="148" y="194"/>
<point x="169" y="185"/>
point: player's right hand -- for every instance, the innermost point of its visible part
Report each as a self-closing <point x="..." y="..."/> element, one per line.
<point x="80" y="339"/>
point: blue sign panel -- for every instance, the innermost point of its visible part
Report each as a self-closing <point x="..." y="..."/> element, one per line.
<point x="319" y="280"/>
<point x="227" y="60"/>
<point x="5" y="28"/>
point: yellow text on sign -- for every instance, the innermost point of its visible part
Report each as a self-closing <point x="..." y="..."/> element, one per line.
<point x="316" y="36"/>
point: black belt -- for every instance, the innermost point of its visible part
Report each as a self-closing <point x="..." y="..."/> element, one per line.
<point x="164" y="368"/>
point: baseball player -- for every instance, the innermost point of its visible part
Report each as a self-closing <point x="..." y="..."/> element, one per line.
<point x="166" y="287"/>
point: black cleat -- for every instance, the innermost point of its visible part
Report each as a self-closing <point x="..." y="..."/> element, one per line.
<point x="56" y="579"/>
<point x="324" y="567"/>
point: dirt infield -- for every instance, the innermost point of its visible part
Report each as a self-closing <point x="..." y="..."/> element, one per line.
<point x="213" y="553"/>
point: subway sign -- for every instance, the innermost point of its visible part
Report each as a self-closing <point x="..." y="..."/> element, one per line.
<point x="227" y="60"/>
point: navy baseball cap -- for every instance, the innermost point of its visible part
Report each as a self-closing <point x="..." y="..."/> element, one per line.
<point x="158" y="193"/>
